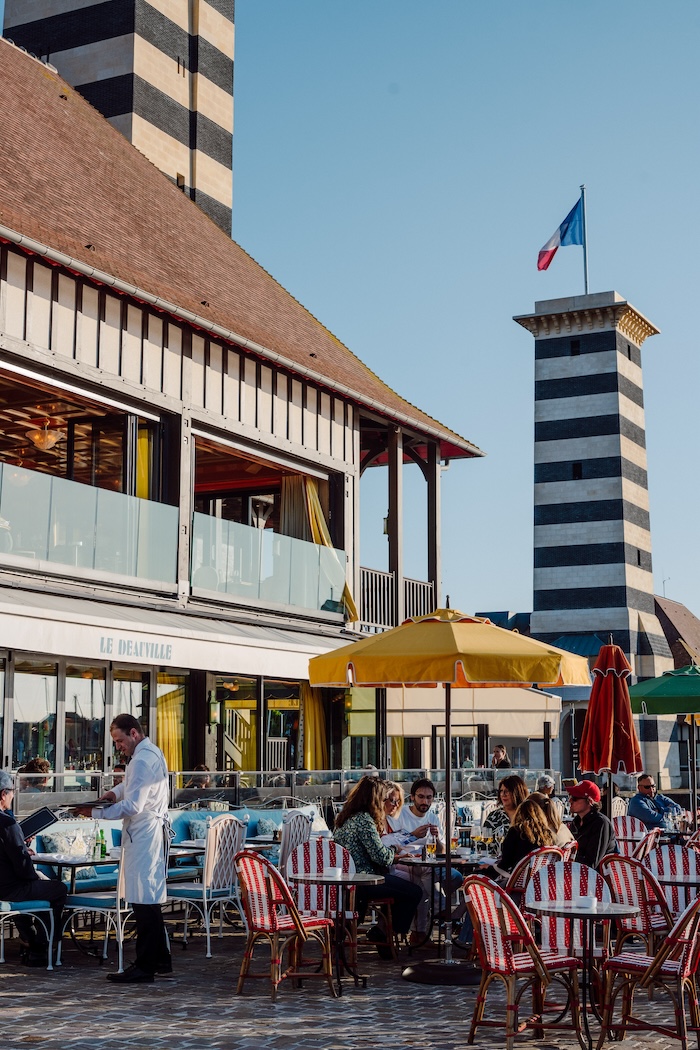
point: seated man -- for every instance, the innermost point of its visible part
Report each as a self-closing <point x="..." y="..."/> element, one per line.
<point x="649" y="806"/>
<point x="19" y="880"/>
<point x="420" y="820"/>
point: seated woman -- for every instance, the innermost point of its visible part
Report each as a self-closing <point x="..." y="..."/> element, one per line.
<point x="530" y="830"/>
<point x="512" y="790"/>
<point x="202" y="780"/>
<point x="358" y="827"/>
<point x="19" y="880"/>
<point x="552" y="813"/>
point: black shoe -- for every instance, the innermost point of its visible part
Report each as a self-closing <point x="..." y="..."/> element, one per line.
<point x="132" y="975"/>
<point x="376" y="935"/>
<point x="166" y="966"/>
<point x="31" y="957"/>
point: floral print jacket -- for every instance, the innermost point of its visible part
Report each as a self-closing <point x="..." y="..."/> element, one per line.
<point x="360" y="837"/>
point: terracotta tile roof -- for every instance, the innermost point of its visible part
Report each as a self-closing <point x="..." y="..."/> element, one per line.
<point x="68" y="179"/>
<point x="680" y="626"/>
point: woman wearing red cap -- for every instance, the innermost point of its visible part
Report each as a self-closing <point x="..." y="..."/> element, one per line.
<point x="591" y="828"/>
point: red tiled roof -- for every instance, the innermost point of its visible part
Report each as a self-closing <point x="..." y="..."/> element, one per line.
<point x="679" y="625"/>
<point x="68" y="179"/>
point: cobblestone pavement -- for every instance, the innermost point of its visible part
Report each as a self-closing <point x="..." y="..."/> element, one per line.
<point x="75" y="1008"/>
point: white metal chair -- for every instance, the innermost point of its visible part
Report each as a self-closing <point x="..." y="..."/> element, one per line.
<point x="219" y="885"/>
<point x="111" y="905"/>
<point x="296" y="830"/>
<point x="8" y="909"/>
<point x="619" y="806"/>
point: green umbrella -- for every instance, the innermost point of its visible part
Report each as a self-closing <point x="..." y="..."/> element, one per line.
<point x="673" y="693"/>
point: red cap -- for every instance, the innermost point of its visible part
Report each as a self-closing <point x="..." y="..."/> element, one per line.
<point x="586" y="789"/>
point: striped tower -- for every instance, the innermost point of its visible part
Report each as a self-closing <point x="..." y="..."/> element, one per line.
<point x="161" y="71"/>
<point x="592" y="542"/>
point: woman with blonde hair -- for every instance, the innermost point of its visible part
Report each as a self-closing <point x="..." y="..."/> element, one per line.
<point x="559" y="830"/>
<point x="529" y="831"/>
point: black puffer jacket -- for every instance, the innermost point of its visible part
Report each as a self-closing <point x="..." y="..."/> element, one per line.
<point x="16" y="868"/>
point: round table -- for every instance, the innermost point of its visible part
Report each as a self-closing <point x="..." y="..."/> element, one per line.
<point x="345" y="883"/>
<point x="602" y="912"/>
<point x="471" y="861"/>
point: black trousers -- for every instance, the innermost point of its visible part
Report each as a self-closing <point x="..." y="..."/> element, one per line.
<point x="51" y="890"/>
<point x="407" y="896"/>
<point x="151" y="942"/>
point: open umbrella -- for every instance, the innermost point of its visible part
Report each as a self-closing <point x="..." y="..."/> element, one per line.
<point x="609" y="742"/>
<point x="457" y="651"/>
<point x="674" y="693"/>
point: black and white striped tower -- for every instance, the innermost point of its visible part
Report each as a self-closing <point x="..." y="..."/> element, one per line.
<point x="161" y="71"/>
<point x="592" y="538"/>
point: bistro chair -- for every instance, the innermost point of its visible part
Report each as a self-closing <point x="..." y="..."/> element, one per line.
<point x="666" y="862"/>
<point x="296" y="829"/>
<point x="647" y="844"/>
<point x="694" y="841"/>
<point x="219" y="883"/>
<point x="508" y="953"/>
<point x="525" y="868"/>
<point x="628" y="832"/>
<point x="311" y="858"/>
<point x="618" y="806"/>
<point x="39" y="909"/>
<point x="569" y="850"/>
<point x="673" y="969"/>
<point x="566" y="881"/>
<point x="110" y="905"/>
<point x="272" y="916"/>
<point x="631" y="882"/>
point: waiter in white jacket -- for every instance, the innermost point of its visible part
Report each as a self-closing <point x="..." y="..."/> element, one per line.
<point x="142" y="802"/>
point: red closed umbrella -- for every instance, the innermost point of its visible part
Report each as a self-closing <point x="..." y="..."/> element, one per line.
<point x="609" y="742"/>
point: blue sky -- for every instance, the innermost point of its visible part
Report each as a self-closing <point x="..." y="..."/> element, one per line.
<point x="397" y="166"/>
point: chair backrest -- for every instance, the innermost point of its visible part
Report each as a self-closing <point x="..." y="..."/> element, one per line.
<point x="631" y="882"/>
<point x="500" y="930"/>
<point x="488" y="807"/>
<point x="681" y="947"/>
<point x="647" y="844"/>
<point x="569" y="850"/>
<point x="626" y="827"/>
<point x="667" y="861"/>
<point x="311" y="858"/>
<point x="296" y="828"/>
<point x="266" y="896"/>
<point x="618" y="806"/>
<point x="565" y="881"/>
<point x="694" y="841"/>
<point x="225" y="835"/>
<point x="525" y="868"/>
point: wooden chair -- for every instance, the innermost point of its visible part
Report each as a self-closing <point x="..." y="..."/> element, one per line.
<point x="272" y="916"/>
<point x="631" y="882"/>
<point x="569" y="850"/>
<point x="667" y="861"/>
<point x="673" y="969"/>
<point x="647" y="844"/>
<point x="310" y="858"/>
<point x="525" y="868"/>
<point x="219" y="883"/>
<point x="567" y="880"/>
<point x="508" y="953"/>
<point x="628" y="830"/>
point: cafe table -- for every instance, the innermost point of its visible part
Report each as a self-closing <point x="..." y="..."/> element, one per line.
<point x="65" y="862"/>
<point x="345" y="883"/>
<point x="602" y="911"/>
<point x="464" y="862"/>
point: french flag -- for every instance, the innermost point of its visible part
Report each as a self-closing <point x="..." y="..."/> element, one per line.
<point x="570" y="232"/>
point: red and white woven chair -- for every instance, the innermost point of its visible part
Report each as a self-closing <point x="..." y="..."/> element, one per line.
<point x="694" y="841"/>
<point x="673" y="969"/>
<point x="296" y="828"/>
<point x="628" y="832"/>
<point x="508" y="953"/>
<point x="563" y="882"/>
<point x="525" y="868"/>
<point x="272" y="916"/>
<point x="310" y="859"/>
<point x="631" y="882"/>
<point x="569" y="850"/>
<point x="666" y="862"/>
<point x="647" y="844"/>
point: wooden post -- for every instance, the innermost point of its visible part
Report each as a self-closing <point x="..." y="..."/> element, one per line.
<point x="395" y="451"/>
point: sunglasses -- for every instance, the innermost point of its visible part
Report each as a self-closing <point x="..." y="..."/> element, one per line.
<point x="393" y="801"/>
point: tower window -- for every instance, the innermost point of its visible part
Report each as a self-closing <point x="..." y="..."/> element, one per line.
<point x="629" y="352"/>
<point x="575" y="347"/>
<point x="577" y="471"/>
<point x="639" y="557"/>
<point x="180" y="180"/>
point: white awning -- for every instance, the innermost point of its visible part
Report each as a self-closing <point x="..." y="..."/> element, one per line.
<point x="89" y="630"/>
<point x="507" y="712"/>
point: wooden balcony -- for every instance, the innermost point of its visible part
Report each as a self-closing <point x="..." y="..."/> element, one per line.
<point x="378" y="604"/>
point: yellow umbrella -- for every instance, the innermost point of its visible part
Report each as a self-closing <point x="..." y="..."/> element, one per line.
<point x="451" y="649"/>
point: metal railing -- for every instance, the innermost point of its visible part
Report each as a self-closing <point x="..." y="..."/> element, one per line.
<point x="377" y="604"/>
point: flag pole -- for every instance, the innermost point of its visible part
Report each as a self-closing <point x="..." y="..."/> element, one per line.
<point x="585" y="240"/>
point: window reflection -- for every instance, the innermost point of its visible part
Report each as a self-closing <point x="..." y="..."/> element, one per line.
<point x="131" y="694"/>
<point x="34" y="728"/>
<point x="85" y="717"/>
<point x="238" y="731"/>
<point x="282" y="724"/>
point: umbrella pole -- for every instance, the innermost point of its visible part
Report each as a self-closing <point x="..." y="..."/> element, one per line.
<point x="693" y="772"/>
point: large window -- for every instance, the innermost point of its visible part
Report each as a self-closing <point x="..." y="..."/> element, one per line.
<point x="283" y="738"/>
<point x="34" y="727"/>
<point x="172" y="711"/>
<point x="131" y="694"/>
<point x="237" y="697"/>
<point x="85" y="717"/>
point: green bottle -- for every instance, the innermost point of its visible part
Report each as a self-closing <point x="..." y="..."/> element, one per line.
<point x="103" y="844"/>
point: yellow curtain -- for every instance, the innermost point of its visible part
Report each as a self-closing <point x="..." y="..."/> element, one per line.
<point x="315" y="749"/>
<point x="143" y="462"/>
<point x="397" y="752"/>
<point x="322" y="537"/>
<point x="169" y="727"/>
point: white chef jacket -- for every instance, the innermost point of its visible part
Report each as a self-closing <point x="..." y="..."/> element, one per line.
<point x="142" y="802"/>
